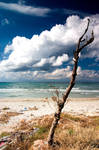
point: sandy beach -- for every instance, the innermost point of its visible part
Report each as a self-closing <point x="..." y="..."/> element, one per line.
<point x="28" y="109"/>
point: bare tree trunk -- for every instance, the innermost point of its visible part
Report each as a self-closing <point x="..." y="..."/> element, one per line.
<point x="72" y="83"/>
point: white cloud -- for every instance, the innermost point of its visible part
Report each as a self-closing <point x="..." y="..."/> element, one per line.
<point x="25" y="51"/>
<point x="87" y="74"/>
<point x="44" y="61"/>
<point x="50" y="47"/>
<point x="41" y="63"/>
<point x="24" y="9"/>
<point x="17" y="76"/>
<point x="52" y="61"/>
<point x="60" y="59"/>
<point x="57" y="74"/>
<point x="94" y="47"/>
<point x="63" y="73"/>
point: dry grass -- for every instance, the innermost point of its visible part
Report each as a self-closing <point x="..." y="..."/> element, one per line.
<point x="3" y="134"/>
<point x="73" y="133"/>
<point x="4" y="118"/>
<point x="23" y="125"/>
<point x="5" y="108"/>
<point x="79" y="139"/>
<point x="33" y="108"/>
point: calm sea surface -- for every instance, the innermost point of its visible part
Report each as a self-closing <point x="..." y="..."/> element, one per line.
<point x="42" y="90"/>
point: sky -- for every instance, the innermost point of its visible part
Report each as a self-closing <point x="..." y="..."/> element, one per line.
<point x="38" y="38"/>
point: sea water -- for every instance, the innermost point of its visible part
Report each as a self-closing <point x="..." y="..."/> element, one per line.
<point x="46" y="89"/>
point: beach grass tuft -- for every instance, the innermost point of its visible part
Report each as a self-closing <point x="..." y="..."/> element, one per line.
<point x="4" y="118"/>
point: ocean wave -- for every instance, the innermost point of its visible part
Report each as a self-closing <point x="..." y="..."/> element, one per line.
<point x="85" y="91"/>
<point x="74" y="90"/>
<point x="12" y="90"/>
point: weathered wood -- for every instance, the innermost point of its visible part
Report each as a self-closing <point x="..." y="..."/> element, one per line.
<point x="71" y="84"/>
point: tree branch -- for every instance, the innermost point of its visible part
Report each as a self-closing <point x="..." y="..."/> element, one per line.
<point x="80" y="39"/>
<point x="88" y="42"/>
<point x="71" y="84"/>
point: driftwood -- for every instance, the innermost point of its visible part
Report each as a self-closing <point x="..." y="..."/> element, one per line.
<point x="16" y="137"/>
<point x="82" y="43"/>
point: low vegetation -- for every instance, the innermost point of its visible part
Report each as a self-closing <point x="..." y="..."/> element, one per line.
<point x="4" y="118"/>
<point x="73" y="133"/>
<point x="3" y="134"/>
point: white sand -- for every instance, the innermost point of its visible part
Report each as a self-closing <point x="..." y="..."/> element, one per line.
<point x="85" y="106"/>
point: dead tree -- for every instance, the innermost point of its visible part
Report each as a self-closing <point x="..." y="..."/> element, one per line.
<point x="82" y="43"/>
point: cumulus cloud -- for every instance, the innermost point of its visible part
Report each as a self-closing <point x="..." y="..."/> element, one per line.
<point x="63" y="73"/>
<point x="44" y="61"/>
<point x="52" y="61"/>
<point x="24" y="51"/>
<point x="60" y="59"/>
<point x="24" y="9"/>
<point x="94" y="47"/>
<point x="57" y="74"/>
<point x="87" y="74"/>
<point x="50" y="49"/>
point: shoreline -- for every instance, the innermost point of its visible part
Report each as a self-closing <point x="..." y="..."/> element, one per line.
<point x="42" y="99"/>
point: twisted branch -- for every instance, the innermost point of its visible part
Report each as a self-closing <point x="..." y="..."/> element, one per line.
<point x="72" y="82"/>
